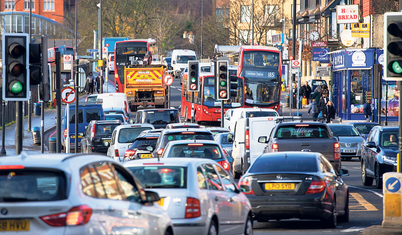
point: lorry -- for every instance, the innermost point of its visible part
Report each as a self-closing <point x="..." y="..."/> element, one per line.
<point x="145" y="86"/>
<point x="109" y="43"/>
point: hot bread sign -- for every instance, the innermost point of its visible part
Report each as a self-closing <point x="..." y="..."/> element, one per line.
<point x="346" y="14"/>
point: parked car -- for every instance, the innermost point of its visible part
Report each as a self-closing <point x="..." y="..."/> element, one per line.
<point x="379" y="154"/>
<point x="350" y="140"/>
<point x="76" y="194"/>
<point x="179" y="134"/>
<point x="314" y="83"/>
<point x="117" y="116"/>
<point x="97" y="136"/>
<point x="182" y="125"/>
<point x="142" y="147"/>
<point x="364" y="128"/>
<point x="305" y="183"/>
<point x="230" y="120"/>
<point x="222" y="139"/>
<point x="122" y="137"/>
<point x="157" y="117"/>
<point x="198" y="194"/>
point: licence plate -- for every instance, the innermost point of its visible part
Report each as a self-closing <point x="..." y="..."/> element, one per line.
<point x="279" y="186"/>
<point x="349" y="150"/>
<point x="14" y="225"/>
<point x="161" y="202"/>
<point x="73" y="136"/>
<point x="106" y="141"/>
<point x="145" y="155"/>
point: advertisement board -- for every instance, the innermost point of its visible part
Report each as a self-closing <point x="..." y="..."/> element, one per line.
<point x="347" y="14"/>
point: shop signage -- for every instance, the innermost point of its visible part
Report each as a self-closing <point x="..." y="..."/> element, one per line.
<point x="323" y="71"/>
<point x="346" y="14"/>
<point x="346" y="38"/>
<point x="319" y="44"/>
<point x="337" y="60"/>
<point x="353" y="59"/>
<point x="358" y="59"/>
<point x="320" y="54"/>
<point x="361" y="30"/>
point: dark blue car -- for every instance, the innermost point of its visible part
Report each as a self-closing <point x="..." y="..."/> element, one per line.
<point x="364" y="128"/>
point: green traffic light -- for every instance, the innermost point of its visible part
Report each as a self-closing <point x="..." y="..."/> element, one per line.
<point x="192" y="79"/>
<point x="396" y="67"/>
<point x="16" y="87"/>
<point x="223" y="83"/>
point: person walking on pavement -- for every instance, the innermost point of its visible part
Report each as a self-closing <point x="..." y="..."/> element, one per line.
<point x="307" y="92"/>
<point x="323" y="102"/>
<point x="301" y="93"/>
<point x="313" y="108"/>
<point x="98" y="83"/>
<point x="91" y="81"/>
<point x="329" y="111"/>
<point x="367" y="110"/>
<point x="324" y="90"/>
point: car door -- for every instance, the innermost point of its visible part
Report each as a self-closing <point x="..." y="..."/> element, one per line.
<point x="372" y="152"/>
<point x="85" y="139"/>
<point x="236" y="200"/>
<point x="337" y="182"/>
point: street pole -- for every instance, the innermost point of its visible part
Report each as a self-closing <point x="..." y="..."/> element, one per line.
<point x="19" y="133"/>
<point x="169" y="97"/>
<point x="386" y="104"/>
<point x="3" y="130"/>
<point x="293" y="46"/>
<point x="76" y="84"/>
<point x="101" y="47"/>
<point x="299" y="77"/>
<point x="202" y="26"/>
<point x="192" y="107"/>
<point x="46" y="95"/>
<point x="252" y="23"/>
<point x="400" y="129"/>
<point x="58" y="104"/>
<point x="30" y="97"/>
<point x="222" y="112"/>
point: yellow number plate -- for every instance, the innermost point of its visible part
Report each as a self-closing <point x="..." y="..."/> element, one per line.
<point x="146" y="156"/>
<point x="161" y="202"/>
<point x="14" y="225"/>
<point x="73" y="136"/>
<point x="106" y="141"/>
<point x="279" y="186"/>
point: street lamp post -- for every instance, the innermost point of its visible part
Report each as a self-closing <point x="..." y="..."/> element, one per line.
<point x="100" y="44"/>
<point x="12" y="15"/>
<point x="71" y="26"/>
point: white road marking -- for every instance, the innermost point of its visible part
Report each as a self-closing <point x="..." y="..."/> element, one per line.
<point x="352" y="229"/>
<point x="378" y="194"/>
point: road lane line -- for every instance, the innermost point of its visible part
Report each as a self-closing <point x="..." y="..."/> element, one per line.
<point x="352" y="229"/>
<point x="363" y="202"/>
<point x="378" y="194"/>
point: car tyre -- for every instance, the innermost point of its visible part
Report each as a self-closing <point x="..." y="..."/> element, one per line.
<point x="212" y="229"/>
<point x="345" y="218"/>
<point x="248" y="229"/>
<point x="332" y="220"/>
<point x="168" y="232"/>
<point x="367" y="181"/>
<point x="378" y="180"/>
<point x="236" y="175"/>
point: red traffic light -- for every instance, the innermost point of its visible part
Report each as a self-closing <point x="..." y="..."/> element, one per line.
<point x="16" y="50"/>
<point x="16" y="68"/>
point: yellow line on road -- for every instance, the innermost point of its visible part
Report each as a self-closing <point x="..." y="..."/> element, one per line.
<point x="362" y="202"/>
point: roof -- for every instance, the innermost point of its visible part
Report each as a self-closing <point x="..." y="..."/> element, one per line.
<point x="169" y="161"/>
<point x="106" y="121"/>
<point x="178" y="130"/>
<point x="291" y="154"/>
<point x="373" y="123"/>
<point x="148" y="110"/>
<point x="86" y="104"/>
<point x="301" y="123"/>
<point x="218" y="128"/>
<point x="144" y="135"/>
<point x="339" y="124"/>
<point x="177" y="142"/>
<point x="134" y="126"/>
<point x="259" y="47"/>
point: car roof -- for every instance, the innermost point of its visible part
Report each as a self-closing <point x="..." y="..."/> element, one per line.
<point x="291" y="154"/>
<point x="106" y="121"/>
<point x="178" y="130"/>
<point x="114" y="114"/>
<point x="339" y="124"/>
<point x="144" y="135"/>
<point x="169" y="161"/>
<point x="84" y="104"/>
<point x="176" y="142"/>
<point x="133" y="126"/>
<point x="364" y="123"/>
<point x="113" y="109"/>
<point x="387" y="128"/>
<point x="301" y="123"/>
<point x="218" y="128"/>
<point x="148" y="110"/>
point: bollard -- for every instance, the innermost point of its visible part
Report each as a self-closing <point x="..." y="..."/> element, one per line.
<point x="392" y="191"/>
<point x="37" y="109"/>
<point x="52" y="144"/>
<point x="36" y="134"/>
<point x="287" y="101"/>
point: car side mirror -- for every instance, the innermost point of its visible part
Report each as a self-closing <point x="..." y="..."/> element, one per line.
<point x="152" y="196"/>
<point x="370" y="144"/>
<point x="173" y="62"/>
<point x="262" y="139"/>
<point x="343" y="172"/>
<point x="150" y="148"/>
<point x="363" y="135"/>
<point x="227" y="118"/>
<point x="230" y="138"/>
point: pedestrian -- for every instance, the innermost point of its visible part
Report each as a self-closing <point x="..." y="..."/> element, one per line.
<point x="98" y="83"/>
<point x="329" y="111"/>
<point x="323" y="102"/>
<point x="307" y="92"/>
<point x="91" y="81"/>
<point x="314" y="109"/>
<point x="367" y="110"/>
<point x="324" y="90"/>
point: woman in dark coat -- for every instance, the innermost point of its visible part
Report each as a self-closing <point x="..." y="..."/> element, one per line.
<point x="329" y="111"/>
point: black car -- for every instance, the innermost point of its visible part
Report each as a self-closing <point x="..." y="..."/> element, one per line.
<point x="302" y="185"/>
<point x="379" y="154"/>
<point x="180" y="134"/>
<point x="159" y="118"/>
<point x="97" y="136"/>
<point x="142" y="147"/>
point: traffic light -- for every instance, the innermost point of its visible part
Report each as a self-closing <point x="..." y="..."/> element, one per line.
<point x="233" y="86"/>
<point x="222" y="80"/>
<point x="193" y="76"/>
<point x="35" y="62"/>
<point x="15" y="66"/>
<point x="393" y="46"/>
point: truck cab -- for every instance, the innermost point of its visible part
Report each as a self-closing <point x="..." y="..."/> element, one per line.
<point x="180" y="60"/>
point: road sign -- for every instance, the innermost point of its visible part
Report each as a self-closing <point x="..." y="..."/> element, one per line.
<point x="67" y="62"/>
<point x="104" y="50"/>
<point x="295" y="64"/>
<point x="222" y="94"/>
<point x="393" y="184"/>
<point x="92" y="50"/>
<point x="168" y="80"/>
<point x="323" y="71"/>
<point x="107" y="45"/>
<point x="68" y="95"/>
<point x="193" y="87"/>
<point x="392" y="199"/>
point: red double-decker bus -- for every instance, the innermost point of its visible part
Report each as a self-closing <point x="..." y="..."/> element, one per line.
<point x="64" y="50"/>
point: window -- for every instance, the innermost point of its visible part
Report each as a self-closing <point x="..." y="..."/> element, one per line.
<point x="26" y="4"/>
<point x="113" y="140"/>
<point x="201" y="179"/>
<point x="129" y="191"/>
<point x="226" y="180"/>
<point x="128" y="135"/>
<point x="48" y="5"/>
<point x="99" y="189"/>
<point x="271" y="13"/>
<point x="244" y="36"/>
<point x="72" y="116"/>
<point x="245" y="14"/>
<point x="109" y="183"/>
<point x="214" y="182"/>
<point x="9" y="5"/>
<point x="92" y="114"/>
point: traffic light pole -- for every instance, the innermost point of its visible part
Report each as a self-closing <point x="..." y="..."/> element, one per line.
<point x="192" y="107"/>
<point x="400" y="130"/>
<point x="45" y="91"/>
<point x="76" y="108"/>
<point x="58" y="103"/>
<point x="19" y="132"/>
<point x="222" y="113"/>
<point x="3" y="131"/>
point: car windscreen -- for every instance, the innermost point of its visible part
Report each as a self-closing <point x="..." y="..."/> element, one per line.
<point x="195" y="150"/>
<point x="275" y="164"/>
<point x="161" y="176"/>
<point x="364" y="128"/>
<point x="128" y="135"/>
<point x="186" y="136"/>
<point x="389" y="139"/>
<point x="261" y="114"/>
<point x="344" y="130"/>
<point x="23" y="185"/>
<point x="143" y="143"/>
<point x="114" y="117"/>
<point x="92" y="99"/>
<point x="104" y="130"/>
<point x="162" y="117"/>
<point x="301" y="131"/>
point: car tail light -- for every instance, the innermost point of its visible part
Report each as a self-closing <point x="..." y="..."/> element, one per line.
<point x="195" y="144"/>
<point x="245" y="185"/>
<point x="116" y="153"/>
<point x="86" y="99"/>
<point x="270" y="119"/>
<point x="125" y="106"/>
<point x="336" y="151"/>
<point x="11" y="167"/>
<point x="93" y="131"/>
<point x="65" y="133"/>
<point x="225" y="165"/>
<point x="247" y="139"/>
<point x="160" y="151"/>
<point x="275" y="147"/>
<point x="77" y="215"/>
<point x="316" y="186"/>
<point x="193" y="209"/>
<point x="129" y="153"/>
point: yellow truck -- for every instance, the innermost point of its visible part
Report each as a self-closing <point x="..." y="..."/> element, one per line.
<point x="144" y="86"/>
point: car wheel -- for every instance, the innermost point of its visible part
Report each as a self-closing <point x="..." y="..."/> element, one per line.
<point x="367" y="181"/>
<point x="168" y="232"/>
<point x="345" y="217"/>
<point x="248" y="229"/>
<point x="331" y="221"/>
<point x="378" y="180"/>
<point x="212" y="229"/>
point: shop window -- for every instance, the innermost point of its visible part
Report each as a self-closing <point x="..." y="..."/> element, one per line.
<point x="392" y="100"/>
<point x="359" y="89"/>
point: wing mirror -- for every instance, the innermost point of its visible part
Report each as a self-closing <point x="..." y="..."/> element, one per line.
<point x="227" y="118"/>
<point x="370" y="144"/>
<point x="230" y="138"/>
<point x="262" y="139"/>
<point x="173" y="62"/>
<point x="152" y="196"/>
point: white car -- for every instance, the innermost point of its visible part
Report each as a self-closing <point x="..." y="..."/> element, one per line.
<point x="198" y="194"/>
<point x="122" y="137"/>
<point x="76" y="194"/>
<point x="114" y="101"/>
<point x="232" y="115"/>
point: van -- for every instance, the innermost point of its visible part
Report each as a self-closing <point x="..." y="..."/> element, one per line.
<point x="111" y="63"/>
<point x="116" y="101"/>
<point x="246" y="147"/>
<point x="86" y="113"/>
<point x="180" y="60"/>
<point x="232" y="115"/>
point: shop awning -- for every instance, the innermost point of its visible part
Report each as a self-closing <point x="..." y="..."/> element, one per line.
<point x="330" y="7"/>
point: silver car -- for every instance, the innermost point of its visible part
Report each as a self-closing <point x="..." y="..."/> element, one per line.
<point x="222" y="139"/>
<point x="198" y="194"/>
<point x="349" y="139"/>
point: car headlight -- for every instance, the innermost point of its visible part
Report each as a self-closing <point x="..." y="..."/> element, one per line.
<point x="389" y="159"/>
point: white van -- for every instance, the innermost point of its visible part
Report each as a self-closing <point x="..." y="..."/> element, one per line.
<point x="232" y="115"/>
<point x="114" y="101"/>
<point x="180" y="60"/>
<point x="111" y="63"/>
<point x="246" y="147"/>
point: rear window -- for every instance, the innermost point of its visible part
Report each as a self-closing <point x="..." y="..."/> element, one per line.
<point x="161" y="117"/>
<point x="102" y="130"/>
<point x="32" y="185"/>
<point x="319" y="82"/>
<point x="161" y="176"/>
<point x="302" y="131"/>
<point x="115" y="117"/>
<point x="194" y="135"/>
<point x="364" y="128"/>
<point x="92" y="99"/>
<point x="72" y="116"/>
<point x="284" y="164"/>
<point x="344" y="130"/>
<point x="92" y="114"/>
<point x="224" y="139"/>
<point x="142" y="143"/>
<point x="261" y="114"/>
<point x="128" y="135"/>
<point x="210" y="151"/>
